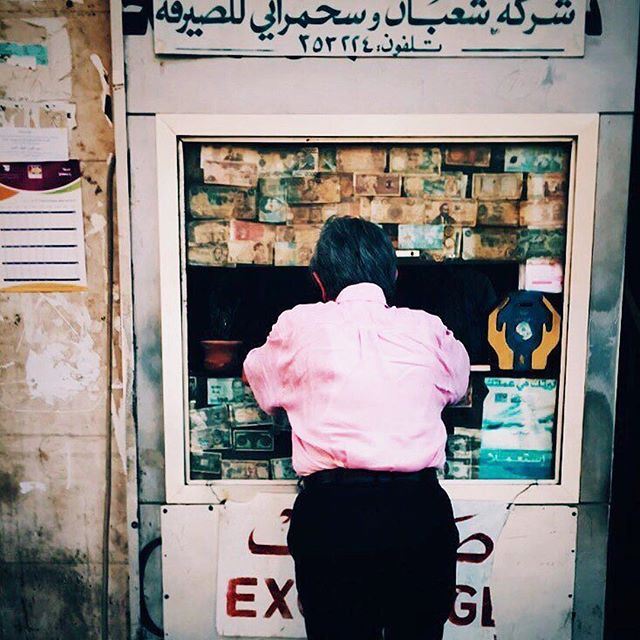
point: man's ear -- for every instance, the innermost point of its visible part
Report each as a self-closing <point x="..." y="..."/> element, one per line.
<point x="323" y="291"/>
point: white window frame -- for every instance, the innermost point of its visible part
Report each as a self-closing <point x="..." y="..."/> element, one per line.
<point x="581" y="128"/>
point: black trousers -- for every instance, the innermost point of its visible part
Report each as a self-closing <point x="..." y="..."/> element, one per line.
<point x="374" y="557"/>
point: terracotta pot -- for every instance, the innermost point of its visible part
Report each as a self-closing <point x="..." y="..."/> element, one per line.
<point x="221" y="355"/>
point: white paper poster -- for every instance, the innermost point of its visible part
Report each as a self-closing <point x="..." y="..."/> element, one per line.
<point x="26" y="144"/>
<point x="256" y="592"/>
<point x="41" y="227"/>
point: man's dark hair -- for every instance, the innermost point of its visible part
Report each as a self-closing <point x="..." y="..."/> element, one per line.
<point x="351" y="250"/>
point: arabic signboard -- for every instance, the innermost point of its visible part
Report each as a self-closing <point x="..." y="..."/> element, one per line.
<point x="256" y="594"/>
<point x="372" y="29"/>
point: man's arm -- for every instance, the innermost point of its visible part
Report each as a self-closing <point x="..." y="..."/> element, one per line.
<point x="262" y="368"/>
<point x="455" y="361"/>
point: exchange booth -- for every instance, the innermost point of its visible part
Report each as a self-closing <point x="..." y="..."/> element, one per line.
<point x="491" y="218"/>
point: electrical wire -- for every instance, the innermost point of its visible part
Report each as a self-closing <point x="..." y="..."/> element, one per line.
<point x="106" y="520"/>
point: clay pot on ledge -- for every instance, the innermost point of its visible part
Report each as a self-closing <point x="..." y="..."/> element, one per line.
<point x="221" y="355"/>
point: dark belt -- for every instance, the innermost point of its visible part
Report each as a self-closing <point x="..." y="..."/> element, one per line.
<point x="365" y="477"/>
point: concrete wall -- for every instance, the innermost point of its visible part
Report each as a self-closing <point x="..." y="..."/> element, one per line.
<point x="54" y="362"/>
<point x="601" y="82"/>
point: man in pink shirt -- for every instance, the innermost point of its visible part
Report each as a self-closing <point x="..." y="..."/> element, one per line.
<point x="363" y="383"/>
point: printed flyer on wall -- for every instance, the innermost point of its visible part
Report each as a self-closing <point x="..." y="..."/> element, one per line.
<point x="517" y="429"/>
<point x="41" y="228"/>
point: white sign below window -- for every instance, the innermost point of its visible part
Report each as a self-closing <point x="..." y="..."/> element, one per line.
<point x="372" y="29"/>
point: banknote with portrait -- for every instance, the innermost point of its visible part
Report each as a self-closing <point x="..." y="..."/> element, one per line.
<point x="450" y="211"/>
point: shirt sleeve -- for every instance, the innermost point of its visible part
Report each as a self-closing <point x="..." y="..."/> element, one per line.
<point x="263" y="367"/>
<point x="455" y="362"/>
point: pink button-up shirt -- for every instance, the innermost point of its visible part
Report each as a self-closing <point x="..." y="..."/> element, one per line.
<point x="363" y="384"/>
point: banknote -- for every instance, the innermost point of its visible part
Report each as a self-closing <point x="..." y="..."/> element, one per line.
<point x="237" y="174"/>
<point x="361" y="159"/>
<point x="464" y="155"/>
<point x="497" y="186"/>
<point x="218" y="201"/>
<point x="307" y="214"/>
<point x="346" y="186"/>
<point x="273" y="210"/>
<point x="273" y="187"/>
<point x="490" y="243"/>
<point x="398" y="210"/>
<point x="500" y="213"/>
<point x="252" y="440"/>
<point x="209" y="416"/>
<point x="282" y="469"/>
<point x="459" y="470"/>
<point x="548" y="213"/>
<point x="359" y="208"/>
<point x="206" y="462"/>
<point x="541" y="243"/>
<point x="376" y="184"/>
<point x="245" y="469"/>
<point x="546" y="185"/>
<point x="208" y="255"/>
<point x="420" y="236"/>
<point x="415" y="160"/>
<point x="460" y="212"/>
<point x="207" y="232"/>
<point x="254" y="231"/>
<point x="248" y="414"/>
<point x="451" y="246"/>
<point x="292" y="254"/>
<point x="292" y="161"/>
<point x="317" y="189"/>
<point x="250" y="252"/>
<point x="222" y="390"/>
<point x="536" y="159"/>
<point x="327" y="159"/>
<point x="211" y="438"/>
<point x="211" y="153"/>
<point x="449" y="184"/>
<point x="300" y="233"/>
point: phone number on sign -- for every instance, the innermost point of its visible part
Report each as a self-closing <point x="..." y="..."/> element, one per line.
<point x="355" y="45"/>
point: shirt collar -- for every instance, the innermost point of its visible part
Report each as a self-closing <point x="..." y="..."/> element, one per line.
<point x="362" y="292"/>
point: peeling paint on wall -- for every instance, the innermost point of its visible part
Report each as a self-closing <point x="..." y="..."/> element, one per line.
<point x="50" y="77"/>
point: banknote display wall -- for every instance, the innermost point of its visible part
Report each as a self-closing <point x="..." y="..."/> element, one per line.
<point x="479" y="231"/>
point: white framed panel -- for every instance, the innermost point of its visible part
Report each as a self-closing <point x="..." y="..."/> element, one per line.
<point x="530" y="585"/>
<point x="581" y="128"/>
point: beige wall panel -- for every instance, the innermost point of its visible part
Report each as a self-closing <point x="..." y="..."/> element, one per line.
<point x="51" y="500"/>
